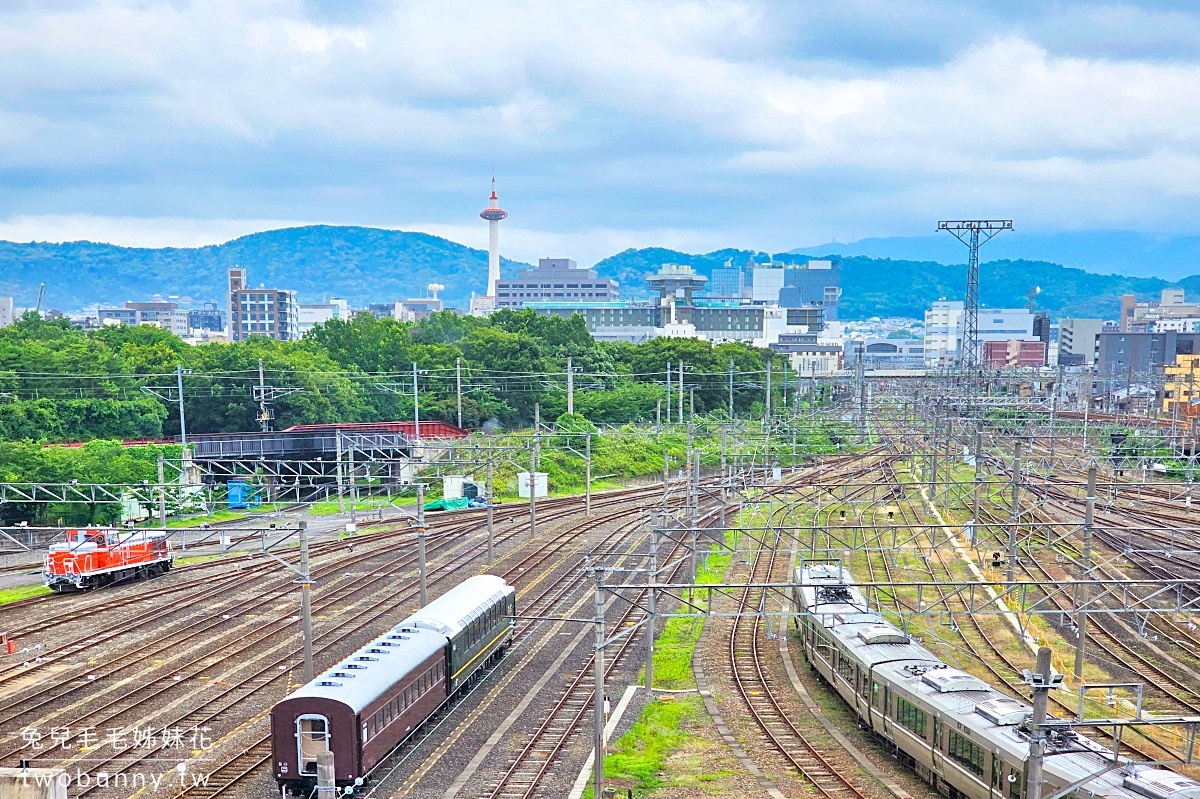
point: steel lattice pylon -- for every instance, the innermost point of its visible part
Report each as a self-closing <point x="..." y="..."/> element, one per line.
<point x="968" y="232"/>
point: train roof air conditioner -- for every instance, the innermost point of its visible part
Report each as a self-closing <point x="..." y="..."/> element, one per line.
<point x="882" y="634"/>
<point x="1004" y="711"/>
<point x="951" y="680"/>
<point x="1159" y="783"/>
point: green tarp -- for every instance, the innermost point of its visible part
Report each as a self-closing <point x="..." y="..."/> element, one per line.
<point x="458" y="503"/>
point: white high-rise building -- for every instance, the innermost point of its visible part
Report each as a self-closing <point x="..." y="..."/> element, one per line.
<point x="493" y="214"/>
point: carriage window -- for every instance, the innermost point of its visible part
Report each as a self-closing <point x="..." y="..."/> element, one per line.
<point x="312" y="733"/>
<point x="845" y="668"/>
<point x="1016" y="786"/>
<point x="910" y="716"/>
<point x="997" y="770"/>
<point x="966" y="752"/>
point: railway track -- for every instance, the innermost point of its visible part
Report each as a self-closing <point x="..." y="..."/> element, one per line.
<point x="231" y="696"/>
<point x="258" y="754"/>
<point x="755" y="686"/>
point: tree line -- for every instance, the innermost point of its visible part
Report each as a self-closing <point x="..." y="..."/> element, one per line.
<point x="58" y="383"/>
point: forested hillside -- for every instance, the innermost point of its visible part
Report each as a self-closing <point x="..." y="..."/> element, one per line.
<point x="372" y="265"/>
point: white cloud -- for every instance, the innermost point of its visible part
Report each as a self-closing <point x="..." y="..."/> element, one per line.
<point x="257" y="109"/>
<point x="132" y="231"/>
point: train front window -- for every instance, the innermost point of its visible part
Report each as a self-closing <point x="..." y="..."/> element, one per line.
<point x="312" y="732"/>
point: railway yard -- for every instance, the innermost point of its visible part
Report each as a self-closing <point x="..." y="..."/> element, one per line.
<point x="979" y="529"/>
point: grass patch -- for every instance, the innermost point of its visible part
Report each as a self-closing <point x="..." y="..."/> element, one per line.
<point x="22" y="592"/>
<point x="196" y="521"/>
<point x="187" y="561"/>
<point x="642" y="752"/>
<point x="331" y="508"/>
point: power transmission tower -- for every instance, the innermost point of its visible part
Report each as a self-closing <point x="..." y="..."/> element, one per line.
<point x="973" y="233"/>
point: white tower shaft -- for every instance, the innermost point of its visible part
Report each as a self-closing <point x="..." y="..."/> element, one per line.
<point x="493" y="256"/>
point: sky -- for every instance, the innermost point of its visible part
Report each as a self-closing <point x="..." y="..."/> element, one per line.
<point x="690" y="125"/>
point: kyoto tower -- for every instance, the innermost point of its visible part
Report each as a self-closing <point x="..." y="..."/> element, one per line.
<point x="493" y="214"/>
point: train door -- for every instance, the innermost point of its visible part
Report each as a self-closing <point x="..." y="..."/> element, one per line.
<point x="885" y="711"/>
<point x="935" y="755"/>
<point x="312" y="740"/>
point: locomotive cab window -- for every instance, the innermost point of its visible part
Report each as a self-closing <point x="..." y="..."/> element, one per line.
<point x="312" y="734"/>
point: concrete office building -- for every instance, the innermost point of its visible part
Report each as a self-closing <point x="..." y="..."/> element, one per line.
<point x="261" y="312"/>
<point x="311" y="314"/>
<point x="1117" y="353"/>
<point x="765" y="284"/>
<point x="164" y="314"/>
<point x="885" y="353"/>
<point x="555" y="280"/>
<point x="945" y="323"/>
<point x="1014" y="354"/>
<point x="1170" y="312"/>
<point x="808" y="356"/>
<point x="1181" y="394"/>
<point x="1077" y="341"/>
<point x="6" y="311"/>
<point x="680" y="313"/>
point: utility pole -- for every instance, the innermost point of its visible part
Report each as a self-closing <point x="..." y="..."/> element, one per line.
<point x="978" y="474"/>
<point x="767" y="414"/>
<point x="490" y="530"/>
<point x="731" y="389"/>
<point x="651" y="609"/>
<point x="421" y="532"/>
<point x="598" y="690"/>
<point x="340" y="476"/>
<point x="162" y="494"/>
<point x="533" y="463"/>
<point x="658" y="417"/>
<point x="587" y="465"/>
<point x="933" y="450"/>
<point x="353" y="490"/>
<point x="458" y="386"/>
<point x="695" y="489"/>
<point x="969" y="232"/>
<point x="182" y="417"/>
<point x="416" y="407"/>
<point x="680" y="417"/>
<point x="326" y="776"/>
<point x="666" y="477"/>
<point x="1041" y="683"/>
<point x="306" y="603"/>
<point x="1014" y="514"/>
<point x="669" y="378"/>
<point x="1089" y="517"/>
<point x="532" y="492"/>
<point x="264" y="422"/>
<point x="570" y="387"/>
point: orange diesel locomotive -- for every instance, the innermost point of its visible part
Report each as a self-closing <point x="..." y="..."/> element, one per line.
<point x="97" y="556"/>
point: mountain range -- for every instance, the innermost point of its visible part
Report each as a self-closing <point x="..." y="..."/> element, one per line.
<point x="1103" y="252"/>
<point x="880" y="277"/>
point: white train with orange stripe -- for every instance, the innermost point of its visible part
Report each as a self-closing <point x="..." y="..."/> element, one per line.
<point x="95" y="556"/>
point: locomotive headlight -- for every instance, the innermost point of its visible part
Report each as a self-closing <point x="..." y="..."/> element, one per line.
<point x="358" y="780"/>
